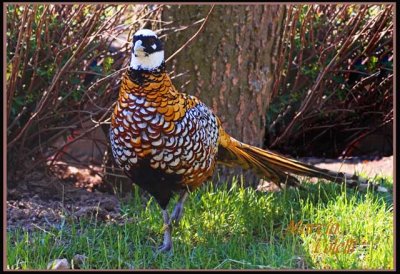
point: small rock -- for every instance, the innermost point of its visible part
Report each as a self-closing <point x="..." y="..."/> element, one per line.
<point x="58" y="264"/>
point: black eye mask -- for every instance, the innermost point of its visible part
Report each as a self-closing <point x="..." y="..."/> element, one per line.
<point x="148" y="43"/>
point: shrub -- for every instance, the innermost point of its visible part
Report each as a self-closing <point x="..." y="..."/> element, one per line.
<point x="334" y="82"/>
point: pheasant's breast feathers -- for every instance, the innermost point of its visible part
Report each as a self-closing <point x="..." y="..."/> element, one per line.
<point x="176" y="131"/>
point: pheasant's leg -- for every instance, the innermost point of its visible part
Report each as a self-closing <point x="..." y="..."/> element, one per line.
<point x="167" y="244"/>
<point x="178" y="210"/>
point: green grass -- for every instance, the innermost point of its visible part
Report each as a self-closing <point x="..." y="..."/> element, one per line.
<point x="228" y="228"/>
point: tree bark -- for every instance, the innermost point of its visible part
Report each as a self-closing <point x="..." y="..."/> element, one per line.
<point x="230" y="64"/>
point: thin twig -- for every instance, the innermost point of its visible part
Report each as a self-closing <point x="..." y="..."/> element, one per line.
<point x="46" y="94"/>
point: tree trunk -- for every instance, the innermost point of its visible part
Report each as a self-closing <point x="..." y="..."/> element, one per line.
<point x="230" y="64"/>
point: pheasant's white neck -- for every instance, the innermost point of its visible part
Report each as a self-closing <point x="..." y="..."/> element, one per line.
<point x="147" y="62"/>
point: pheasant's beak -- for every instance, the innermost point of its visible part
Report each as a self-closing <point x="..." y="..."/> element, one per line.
<point x="138" y="49"/>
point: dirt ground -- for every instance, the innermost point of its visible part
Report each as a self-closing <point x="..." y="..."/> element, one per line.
<point x="42" y="202"/>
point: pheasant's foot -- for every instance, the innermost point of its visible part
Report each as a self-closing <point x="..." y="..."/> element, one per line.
<point x="177" y="214"/>
<point x="167" y="243"/>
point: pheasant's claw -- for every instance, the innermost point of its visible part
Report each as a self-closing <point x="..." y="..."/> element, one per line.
<point x="165" y="247"/>
<point x="167" y="228"/>
<point x="167" y="244"/>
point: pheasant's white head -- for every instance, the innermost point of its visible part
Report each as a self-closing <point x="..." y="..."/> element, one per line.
<point x="147" y="51"/>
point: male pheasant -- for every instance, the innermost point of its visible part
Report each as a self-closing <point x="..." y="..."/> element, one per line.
<point x="170" y="142"/>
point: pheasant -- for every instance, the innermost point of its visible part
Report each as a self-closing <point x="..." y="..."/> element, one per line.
<point x="169" y="142"/>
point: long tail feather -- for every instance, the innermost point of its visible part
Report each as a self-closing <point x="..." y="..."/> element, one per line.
<point x="273" y="166"/>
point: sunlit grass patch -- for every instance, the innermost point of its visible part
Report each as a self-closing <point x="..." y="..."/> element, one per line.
<point x="228" y="227"/>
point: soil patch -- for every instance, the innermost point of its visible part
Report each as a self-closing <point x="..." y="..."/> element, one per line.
<point x="41" y="202"/>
